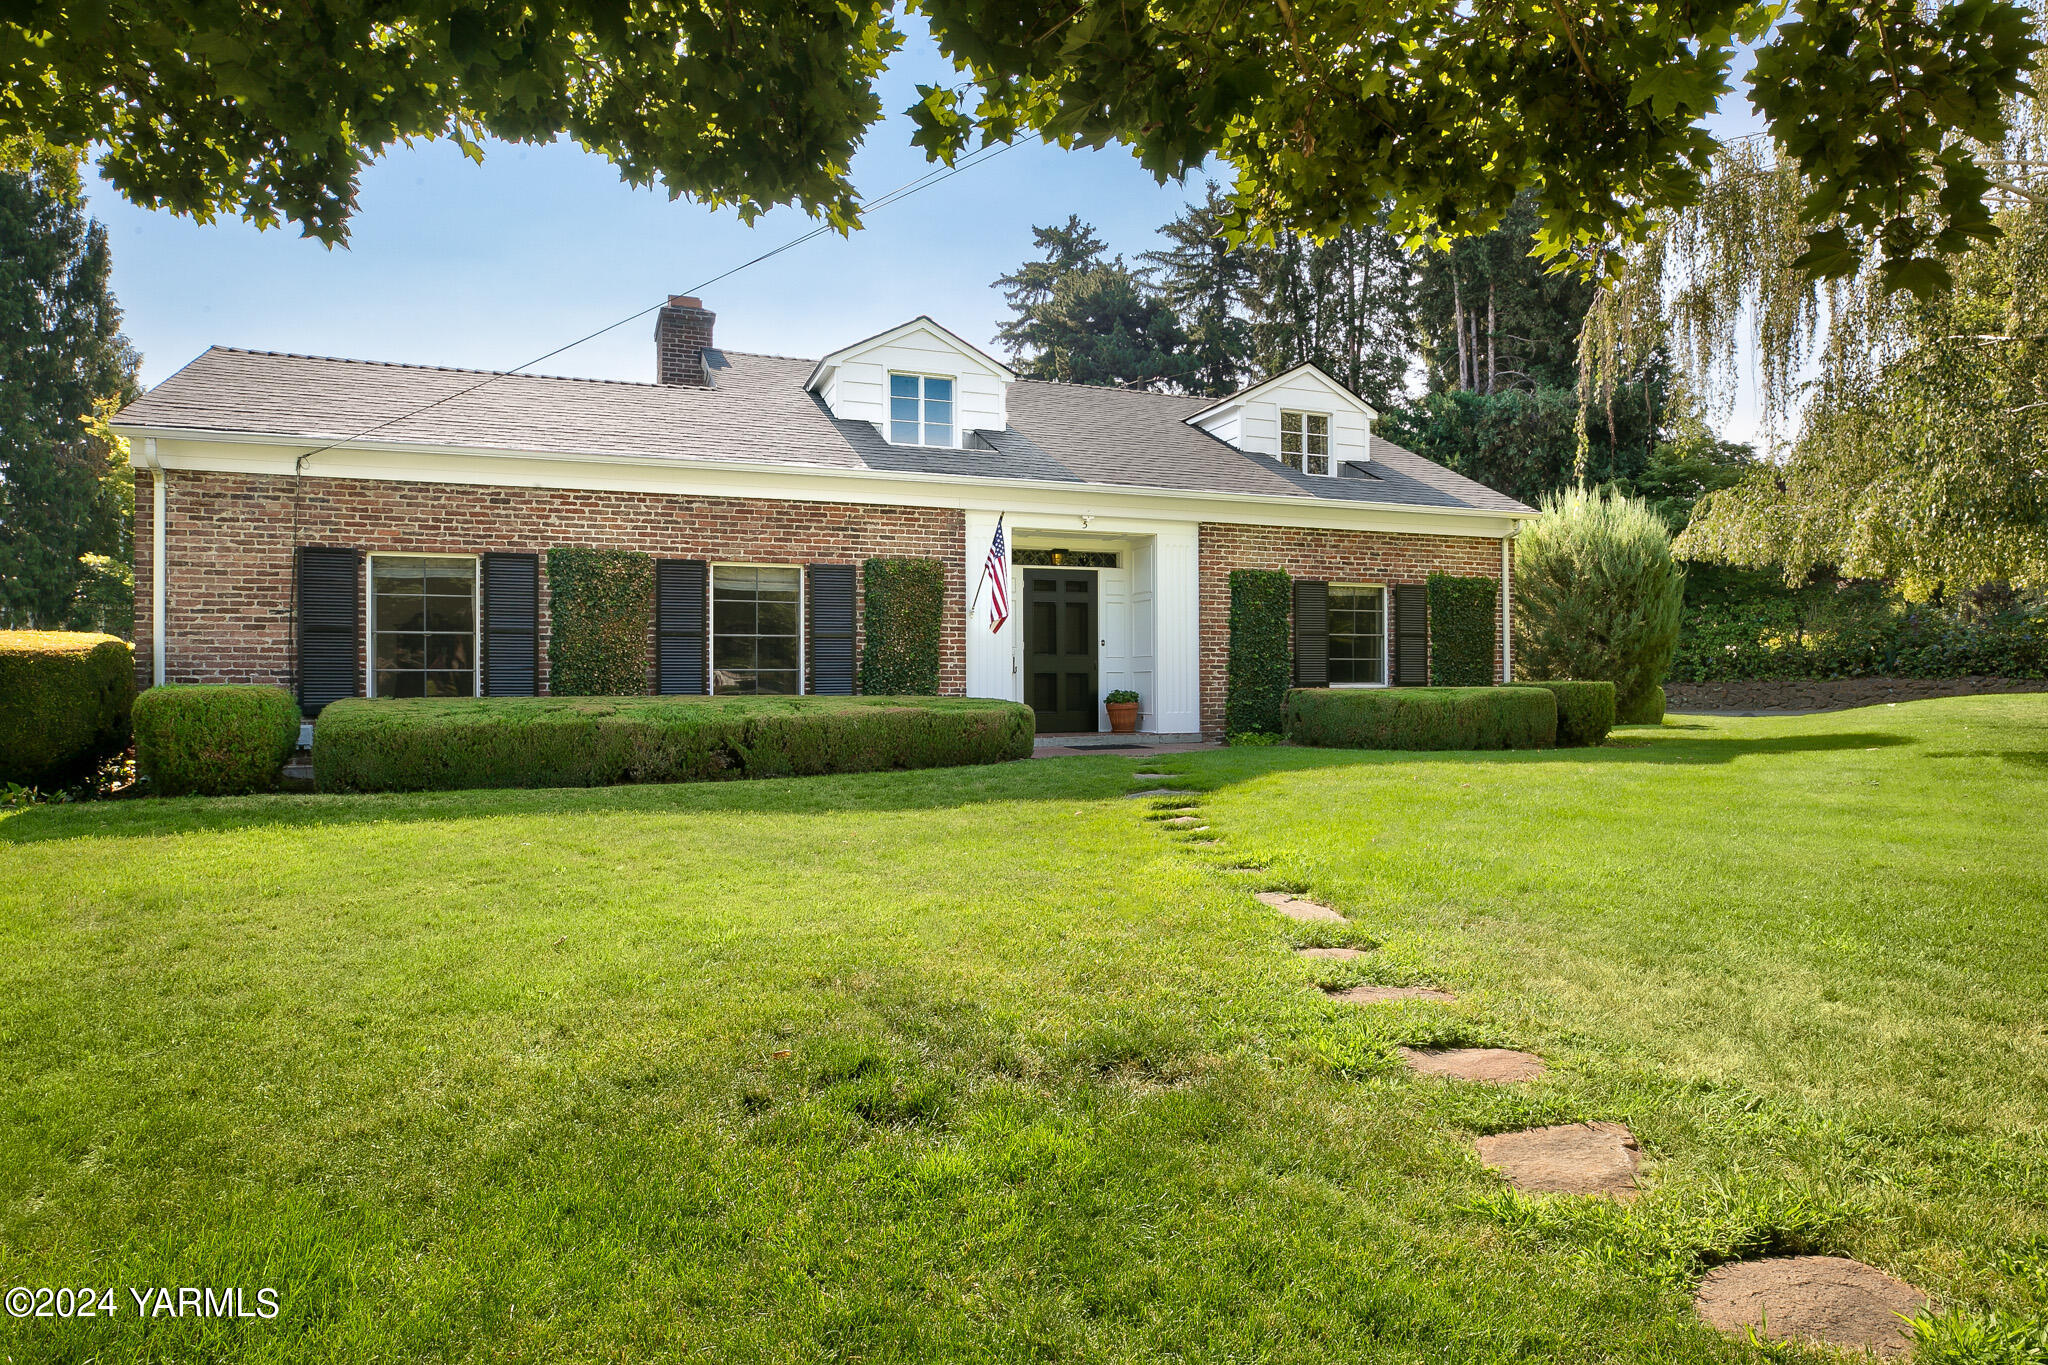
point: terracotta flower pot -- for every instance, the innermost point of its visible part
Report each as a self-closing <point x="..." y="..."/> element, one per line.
<point x="1123" y="717"/>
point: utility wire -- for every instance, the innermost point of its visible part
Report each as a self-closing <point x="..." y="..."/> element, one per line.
<point x="895" y="196"/>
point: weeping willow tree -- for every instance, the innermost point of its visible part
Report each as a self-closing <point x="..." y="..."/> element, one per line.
<point x="1907" y="413"/>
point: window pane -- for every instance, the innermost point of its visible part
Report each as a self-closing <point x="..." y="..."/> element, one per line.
<point x="1290" y="443"/>
<point x="448" y="613"/>
<point x="938" y="390"/>
<point x="755" y="625"/>
<point x="1357" y="635"/>
<point x="1318" y="424"/>
<point x="1318" y="464"/>
<point x="424" y="625"/>
<point x="396" y="612"/>
<point x="448" y="651"/>
<point x="903" y="433"/>
<point x="1290" y="422"/>
<point x="903" y="386"/>
<point x="938" y="434"/>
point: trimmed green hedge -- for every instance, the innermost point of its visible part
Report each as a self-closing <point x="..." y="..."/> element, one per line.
<point x="65" y="700"/>
<point x="902" y="618"/>
<point x="1648" y="709"/>
<point x="1464" y="622"/>
<point x="214" y="739"/>
<point x="600" y="610"/>
<point x="1261" y="661"/>
<point x="1585" y="711"/>
<point x="439" y="744"/>
<point x="1422" y="717"/>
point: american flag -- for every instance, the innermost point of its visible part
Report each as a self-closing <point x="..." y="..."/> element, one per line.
<point x="998" y="572"/>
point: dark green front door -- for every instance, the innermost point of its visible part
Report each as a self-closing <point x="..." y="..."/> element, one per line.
<point x="1059" y="649"/>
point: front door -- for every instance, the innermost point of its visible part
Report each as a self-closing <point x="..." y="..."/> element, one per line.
<point x="1059" y="649"/>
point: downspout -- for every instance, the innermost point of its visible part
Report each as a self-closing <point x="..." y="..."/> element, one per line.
<point x="157" y="595"/>
<point x="1507" y="620"/>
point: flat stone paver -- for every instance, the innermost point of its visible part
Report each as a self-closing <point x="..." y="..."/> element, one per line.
<point x="1295" y="908"/>
<point x="1828" y="1299"/>
<point x="1161" y="791"/>
<point x="1332" y="954"/>
<point x="1185" y="822"/>
<point x="1569" y="1158"/>
<point x="1375" y="995"/>
<point x="1494" y="1065"/>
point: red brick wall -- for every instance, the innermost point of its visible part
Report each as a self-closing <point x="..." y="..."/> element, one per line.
<point x="231" y="538"/>
<point x="1334" y="556"/>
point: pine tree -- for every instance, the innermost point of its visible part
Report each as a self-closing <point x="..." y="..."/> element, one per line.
<point x="1492" y="317"/>
<point x="1081" y="319"/>
<point x="1206" y="282"/>
<point x="64" y="368"/>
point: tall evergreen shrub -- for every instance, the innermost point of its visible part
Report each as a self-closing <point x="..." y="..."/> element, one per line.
<point x="1261" y="667"/>
<point x="902" y="618"/>
<point x="601" y="609"/>
<point x="1597" y="596"/>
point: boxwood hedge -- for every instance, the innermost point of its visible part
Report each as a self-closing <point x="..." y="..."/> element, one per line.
<point x="439" y="744"/>
<point x="214" y="739"/>
<point x="1585" y="710"/>
<point x="1646" y="709"/>
<point x="65" y="700"/>
<point x="1422" y="717"/>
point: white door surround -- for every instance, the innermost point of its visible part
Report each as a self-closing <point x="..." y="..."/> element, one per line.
<point x="1148" y="609"/>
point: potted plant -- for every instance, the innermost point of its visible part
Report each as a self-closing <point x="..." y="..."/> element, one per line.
<point x="1122" y="706"/>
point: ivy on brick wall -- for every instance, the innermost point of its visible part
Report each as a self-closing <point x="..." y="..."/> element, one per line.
<point x="601" y="606"/>
<point x="1261" y="668"/>
<point x="1464" y="621"/>
<point x="902" y="616"/>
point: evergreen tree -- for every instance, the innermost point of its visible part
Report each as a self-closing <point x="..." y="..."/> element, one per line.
<point x="1081" y="319"/>
<point x="1344" y="305"/>
<point x="1206" y="282"/>
<point x="64" y="368"/>
<point x="1491" y="317"/>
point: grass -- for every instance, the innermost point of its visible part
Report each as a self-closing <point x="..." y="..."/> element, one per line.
<point x="984" y="1064"/>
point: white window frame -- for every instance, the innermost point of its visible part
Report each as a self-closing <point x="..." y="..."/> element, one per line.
<point x="803" y="624"/>
<point x="1386" y="632"/>
<point x="1329" y="441"/>
<point x="889" y="417"/>
<point x="476" y="616"/>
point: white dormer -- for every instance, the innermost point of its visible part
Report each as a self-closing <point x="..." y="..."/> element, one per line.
<point x="918" y="383"/>
<point x="1302" y="418"/>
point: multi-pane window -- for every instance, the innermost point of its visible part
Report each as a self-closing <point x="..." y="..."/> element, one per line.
<point x="1305" y="441"/>
<point x="756" y="622"/>
<point x="920" y="410"/>
<point x="423" y="625"/>
<point x="1358" y="635"/>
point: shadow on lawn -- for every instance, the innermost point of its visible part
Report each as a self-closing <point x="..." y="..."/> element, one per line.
<point x="1066" y="779"/>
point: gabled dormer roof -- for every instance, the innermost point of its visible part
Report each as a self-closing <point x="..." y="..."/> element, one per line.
<point x="973" y="355"/>
<point x="1308" y="371"/>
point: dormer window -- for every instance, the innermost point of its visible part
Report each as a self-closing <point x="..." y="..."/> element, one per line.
<point x="921" y="409"/>
<point x="1305" y="441"/>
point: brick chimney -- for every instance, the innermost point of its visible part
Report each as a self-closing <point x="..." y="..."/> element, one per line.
<point x="682" y="334"/>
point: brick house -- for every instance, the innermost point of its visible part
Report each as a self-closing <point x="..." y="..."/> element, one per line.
<point x="347" y="527"/>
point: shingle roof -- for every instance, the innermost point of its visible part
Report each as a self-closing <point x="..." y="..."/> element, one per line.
<point x="758" y="412"/>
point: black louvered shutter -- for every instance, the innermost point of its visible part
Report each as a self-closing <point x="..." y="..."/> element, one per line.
<point x="1411" y="635"/>
<point x="511" y="625"/>
<point x="1311" y="633"/>
<point x="679" y="627"/>
<point x="831" y="645"/>
<point x="330" y="602"/>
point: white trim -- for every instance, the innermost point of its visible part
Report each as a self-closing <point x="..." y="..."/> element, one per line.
<point x="158" y="594"/>
<point x="711" y="569"/>
<point x="1507" y="618"/>
<point x="1386" y="633"/>
<point x="889" y="401"/>
<point x="824" y="367"/>
<point x="1245" y="395"/>
<point x="431" y="463"/>
<point x="476" y="617"/>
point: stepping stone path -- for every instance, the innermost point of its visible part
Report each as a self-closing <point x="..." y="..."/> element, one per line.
<point x="1495" y="1065"/>
<point x="1295" y="908"/>
<point x="1183" y="821"/>
<point x="1829" y="1299"/>
<point x="1151" y="777"/>
<point x="1374" y="995"/>
<point x="1571" y="1158"/>
<point x="1159" y="791"/>
<point x="1333" y="954"/>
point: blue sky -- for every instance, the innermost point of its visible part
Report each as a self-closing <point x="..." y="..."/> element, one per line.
<point x="487" y="267"/>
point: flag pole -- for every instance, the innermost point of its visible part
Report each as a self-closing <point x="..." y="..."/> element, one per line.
<point x="975" y="601"/>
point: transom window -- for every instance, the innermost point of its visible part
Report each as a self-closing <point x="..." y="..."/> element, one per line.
<point x="1358" y="636"/>
<point x="756" y="630"/>
<point x="1305" y="441"/>
<point x="920" y="410"/>
<point x="423" y="625"/>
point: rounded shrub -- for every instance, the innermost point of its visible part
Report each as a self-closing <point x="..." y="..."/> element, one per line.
<point x="65" y="699"/>
<point x="1647" y="710"/>
<point x="1597" y="595"/>
<point x="214" y="739"/>
<point x="1585" y="711"/>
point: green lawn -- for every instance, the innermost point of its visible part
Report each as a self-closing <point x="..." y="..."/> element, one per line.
<point x="987" y="1064"/>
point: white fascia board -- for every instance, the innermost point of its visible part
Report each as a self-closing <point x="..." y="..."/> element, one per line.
<point x="922" y="322"/>
<point x="1309" y="367"/>
<point x="238" y="453"/>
